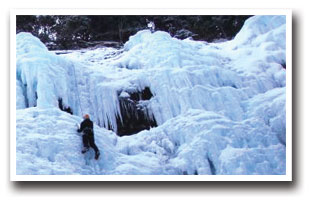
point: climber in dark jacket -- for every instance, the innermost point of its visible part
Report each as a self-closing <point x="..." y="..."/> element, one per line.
<point x="88" y="136"/>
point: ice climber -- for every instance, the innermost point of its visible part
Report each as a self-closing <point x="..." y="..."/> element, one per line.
<point x="86" y="128"/>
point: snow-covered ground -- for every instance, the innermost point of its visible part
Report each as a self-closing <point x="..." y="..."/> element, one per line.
<point x="219" y="107"/>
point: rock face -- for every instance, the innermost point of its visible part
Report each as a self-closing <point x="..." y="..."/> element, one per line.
<point x="64" y="108"/>
<point x="135" y="115"/>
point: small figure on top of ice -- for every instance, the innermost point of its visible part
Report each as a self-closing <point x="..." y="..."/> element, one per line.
<point x="88" y="136"/>
<point x="150" y="25"/>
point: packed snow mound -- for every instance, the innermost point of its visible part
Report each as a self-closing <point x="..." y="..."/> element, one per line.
<point x="219" y="107"/>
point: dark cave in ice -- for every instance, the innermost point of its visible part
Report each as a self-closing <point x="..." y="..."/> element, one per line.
<point x="135" y="115"/>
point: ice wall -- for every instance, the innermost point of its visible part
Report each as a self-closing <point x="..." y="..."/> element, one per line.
<point x="185" y="74"/>
<point x="202" y="142"/>
<point x="42" y="77"/>
<point x="47" y="144"/>
<point x="219" y="107"/>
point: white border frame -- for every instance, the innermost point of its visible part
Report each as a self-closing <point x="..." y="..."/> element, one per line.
<point x="117" y="11"/>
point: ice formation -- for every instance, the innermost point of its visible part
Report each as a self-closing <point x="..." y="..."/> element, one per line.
<point x="207" y="108"/>
<point x="42" y="78"/>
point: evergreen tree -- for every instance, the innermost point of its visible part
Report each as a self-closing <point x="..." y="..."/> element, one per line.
<point x="77" y="31"/>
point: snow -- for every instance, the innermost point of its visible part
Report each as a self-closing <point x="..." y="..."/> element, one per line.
<point x="47" y="144"/>
<point x="190" y="142"/>
<point x="219" y="107"/>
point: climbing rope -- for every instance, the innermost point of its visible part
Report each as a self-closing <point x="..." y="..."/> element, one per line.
<point x="77" y="89"/>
